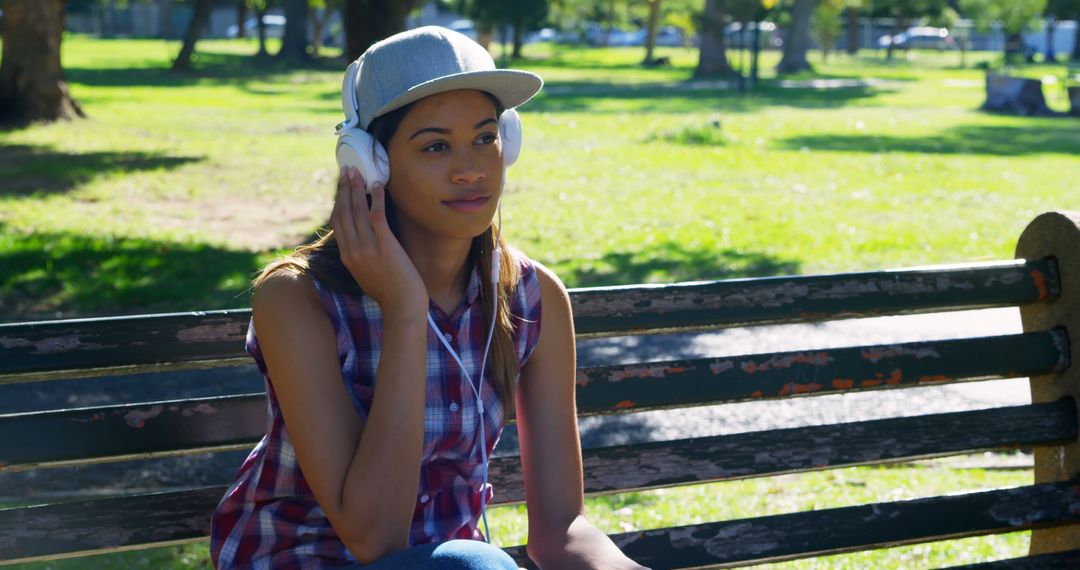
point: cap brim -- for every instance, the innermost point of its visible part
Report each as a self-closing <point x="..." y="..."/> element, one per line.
<point x="511" y="87"/>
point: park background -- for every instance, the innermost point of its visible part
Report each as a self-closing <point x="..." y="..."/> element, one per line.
<point x="184" y="161"/>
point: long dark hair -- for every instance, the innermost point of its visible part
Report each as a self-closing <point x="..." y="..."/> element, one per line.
<point x="322" y="260"/>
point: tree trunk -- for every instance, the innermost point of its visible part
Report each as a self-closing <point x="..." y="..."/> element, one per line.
<point x="294" y="42"/>
<point x="1051" y="57"/>
<point x="1076" y="43"/>
<point x="260" y="28"/>
<point x="798" y="39"/>
<point x="32" y="86"/>
<point x="853" y="31"/>
<point x="194" y="30"/>
<point x="368" y="21"/>
<point x="900" y="26"/>
<point x="241" y="15"/>
<point x="1014" y="47"/>
<point x="650" y="33"/>
<point x="321" y="22"/>
<point x="519" y="37"/>
<point x="485" y="31"/>
<point x="961" y="43"/>
<point x="712" y="56"/>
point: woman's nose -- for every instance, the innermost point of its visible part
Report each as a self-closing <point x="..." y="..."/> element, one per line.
<point x="468" y="170"/>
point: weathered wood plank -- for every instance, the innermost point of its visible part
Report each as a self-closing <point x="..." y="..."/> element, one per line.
<point x="72" y="529"/>
<point x="1068" y="560"/>
<point x="634" y="467"/>
<point x="697" y="460"/>
<point x="135" y="431"/>
<point x="742" y="302"/>
<point x="122" y="345"/>
<point x="86" y="527"/>
<point x="847" y="529"/>
<point x="654" y="385"/>
<point x="128" y="345"/>
<point x="737" y="456"/>
<point x="170" y="428"/>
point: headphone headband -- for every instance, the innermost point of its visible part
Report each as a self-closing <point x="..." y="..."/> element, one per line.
<point x="348" y="95"/>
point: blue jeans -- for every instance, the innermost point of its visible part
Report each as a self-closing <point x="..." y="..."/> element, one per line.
<point x="461" y="554"/>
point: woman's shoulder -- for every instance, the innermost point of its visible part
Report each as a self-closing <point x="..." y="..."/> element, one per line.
<point x="285" y="294"/>
<point x="541" y="277"/>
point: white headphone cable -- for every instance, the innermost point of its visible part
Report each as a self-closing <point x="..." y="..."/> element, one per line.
<point x="496" y="257"/>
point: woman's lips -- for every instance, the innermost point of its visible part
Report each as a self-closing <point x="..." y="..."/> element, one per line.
<point x="468" y="205"/>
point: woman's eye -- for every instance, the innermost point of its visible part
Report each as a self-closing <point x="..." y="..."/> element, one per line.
<point x="488" y="138"/>
<point x="436" y="147"/>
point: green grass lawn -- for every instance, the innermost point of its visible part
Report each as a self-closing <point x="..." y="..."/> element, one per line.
<point x="178" y="187"/>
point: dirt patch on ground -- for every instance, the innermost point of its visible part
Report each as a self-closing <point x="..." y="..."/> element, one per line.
<point x="241" y="223"/>
<point x="262" y="215"/>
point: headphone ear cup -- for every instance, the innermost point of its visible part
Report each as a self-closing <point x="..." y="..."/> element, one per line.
<point x="358" y="149"/>
<point x="510" y="133"/>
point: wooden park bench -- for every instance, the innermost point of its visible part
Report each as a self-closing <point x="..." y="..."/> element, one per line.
<point x="1044" y="281"/>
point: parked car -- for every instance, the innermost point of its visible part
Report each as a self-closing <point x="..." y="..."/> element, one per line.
<point x="275" y="27"/>
<point x="543" y="35"/>
<point x="670" y="36"/>
<point x="666" y="36"/>
<point x="465" y="27"/>
<point x="918" y="37"/>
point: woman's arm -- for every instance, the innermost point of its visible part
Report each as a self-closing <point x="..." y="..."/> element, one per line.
<point x="559" y="534"/>
<point x="364" y="479"/>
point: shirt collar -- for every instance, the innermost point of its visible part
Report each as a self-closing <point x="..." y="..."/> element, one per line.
<point x="472" y="291"/>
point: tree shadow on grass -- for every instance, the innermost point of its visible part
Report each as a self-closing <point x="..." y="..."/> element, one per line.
<point x="595" y="96"/>
<point x="27" y="170"/>
<point x="1040" y="136"/>
<point x="54" y="275"/>
<point x="209" y="69"/>
<point x="671" y="262"/>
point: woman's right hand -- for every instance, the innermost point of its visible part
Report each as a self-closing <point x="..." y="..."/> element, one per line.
<point x="371" y="252"/>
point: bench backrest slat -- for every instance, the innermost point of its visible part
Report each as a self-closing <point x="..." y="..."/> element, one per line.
<point x="816" y="372"/>
<point x="810" y="298"/>
<point x="846" y="529"/>
<point x="705" y="459"/>
<point x="647" y="465"/>
<point x="128" y="345"/>
<point x="108" y="524"/>
<point x="223" y="422"/>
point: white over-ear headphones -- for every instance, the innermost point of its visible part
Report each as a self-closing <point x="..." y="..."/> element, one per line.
<point x="358" y="149"/>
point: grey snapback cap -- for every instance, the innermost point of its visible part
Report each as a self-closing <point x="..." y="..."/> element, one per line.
<point x="409" y="66"/>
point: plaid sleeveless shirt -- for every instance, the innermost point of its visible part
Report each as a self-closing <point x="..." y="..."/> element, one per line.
<point x="269" y="517"/>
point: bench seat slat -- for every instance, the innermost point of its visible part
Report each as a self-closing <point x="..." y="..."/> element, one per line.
<point x="70" y="529"/>
<point x="146" y="343"/>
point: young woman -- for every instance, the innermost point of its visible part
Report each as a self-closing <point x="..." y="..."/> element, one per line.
<point x="384" y="402"/>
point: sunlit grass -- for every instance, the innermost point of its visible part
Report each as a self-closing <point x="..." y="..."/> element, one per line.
<point x="623" y="178"/>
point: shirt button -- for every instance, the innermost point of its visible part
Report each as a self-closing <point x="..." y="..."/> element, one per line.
<point x="453" y="406"/>
<point x="449" y="337"/>
<point x="424" y="498"/>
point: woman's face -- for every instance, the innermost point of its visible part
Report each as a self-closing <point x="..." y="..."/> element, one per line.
<point x="446" y="166"/>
